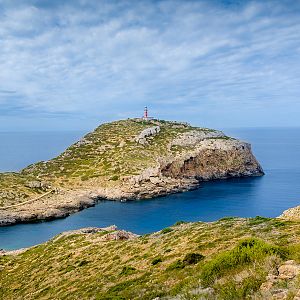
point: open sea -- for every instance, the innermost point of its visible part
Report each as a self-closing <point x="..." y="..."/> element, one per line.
<point x="277" y="149"/>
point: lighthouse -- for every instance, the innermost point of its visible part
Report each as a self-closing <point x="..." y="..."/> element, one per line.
<point x="145" y="113"/>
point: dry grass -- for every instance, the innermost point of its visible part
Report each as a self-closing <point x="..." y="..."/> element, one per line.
<point x="85" y="267"/>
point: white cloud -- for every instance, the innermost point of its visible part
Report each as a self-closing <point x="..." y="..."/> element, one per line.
<point x="80" y="58"/>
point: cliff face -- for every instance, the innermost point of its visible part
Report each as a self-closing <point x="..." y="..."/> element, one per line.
<point x="129" y="159"/>
<point x="214" y="159"/>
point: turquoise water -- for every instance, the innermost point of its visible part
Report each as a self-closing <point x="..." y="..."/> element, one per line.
<point x="277" y="150"/>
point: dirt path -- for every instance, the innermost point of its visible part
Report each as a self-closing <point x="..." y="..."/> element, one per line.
<point x="26" y="202"/>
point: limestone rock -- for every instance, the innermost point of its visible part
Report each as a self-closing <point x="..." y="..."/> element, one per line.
<point x="119" y="235"/>
<point x="280" y="294"/>
<point x="142" y="137"/>
<point x="291" y="214"/>
<point x="193" y="137"/>
<point x="213" y="159"/>
<point x="289" y="270"/>
<point x="38" y="184"/>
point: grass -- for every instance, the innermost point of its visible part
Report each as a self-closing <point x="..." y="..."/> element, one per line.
<point x="233" y="262"/>
<point x="246" y="252"/>
<point x="166" y="230"/>
<point x="103" y="157"/>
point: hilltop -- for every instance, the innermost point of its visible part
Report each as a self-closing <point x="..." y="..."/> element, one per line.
<point x="232" y="258"/>
<point x="124" y="160"/>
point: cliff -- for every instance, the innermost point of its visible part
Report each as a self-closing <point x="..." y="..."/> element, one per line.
<point x="232" y="258"/>
<point x="127" y="159"/>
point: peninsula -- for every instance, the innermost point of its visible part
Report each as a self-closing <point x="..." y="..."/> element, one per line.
<point x="123" y="160"/>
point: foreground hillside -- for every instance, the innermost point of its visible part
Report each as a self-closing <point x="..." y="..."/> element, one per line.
<point x="127" y="159"/>
<point x="232" y="258"/>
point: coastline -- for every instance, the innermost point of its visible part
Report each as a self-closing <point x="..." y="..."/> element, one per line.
<point x="67" y="202"/>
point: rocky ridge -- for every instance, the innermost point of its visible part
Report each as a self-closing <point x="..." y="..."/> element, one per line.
<point x="124" y="160"/>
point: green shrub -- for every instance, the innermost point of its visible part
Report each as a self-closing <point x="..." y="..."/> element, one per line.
<point x="227" y="219"/>
<point x="176" y="265"/>
<point x="166" y="230"/>
<point x="82" y="263"/>
<point x="179" y="223"/>
<point x="156" y="261"/>
<point x="247" y="251"/>
<point x="192" y="258"/>
<point x="114" y="178"/>
<point x="121" y="286"/>
<point x="232" y="290"/>
<point x="127" y="270"/>
<point x="84" y="177"/>
<point x="258" y="220"/>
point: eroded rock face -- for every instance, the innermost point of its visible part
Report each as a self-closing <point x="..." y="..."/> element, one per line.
<point x="213" y="159"/>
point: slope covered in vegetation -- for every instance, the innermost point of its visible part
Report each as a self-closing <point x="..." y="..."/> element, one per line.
<point x="229" y="259"/>
<point x="127" y="159"/>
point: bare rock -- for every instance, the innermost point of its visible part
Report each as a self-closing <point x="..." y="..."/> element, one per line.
<point x="142" y="137"/>
<point x="213" y="159"/>
<point x="119" y="235"/>
<point x="280" y="294"/>
<point x="194" y="137"/>
<point x="289" y="270"/>
<point x="292" y="214"/>
<point x="87" y="230"/>
<point x="38" y="185"/>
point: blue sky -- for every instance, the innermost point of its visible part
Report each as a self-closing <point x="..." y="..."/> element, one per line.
<point x="69" y="65"/>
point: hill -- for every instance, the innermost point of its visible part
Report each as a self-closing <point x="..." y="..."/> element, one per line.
<point x="232" y="258"/>
<point x="127" y="159"/>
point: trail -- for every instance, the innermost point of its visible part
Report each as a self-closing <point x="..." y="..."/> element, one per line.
<point x="26" y="202"/>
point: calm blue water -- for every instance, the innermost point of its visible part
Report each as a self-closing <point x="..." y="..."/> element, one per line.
<point x="20" y="149"/>
<point x="277" y="150"/>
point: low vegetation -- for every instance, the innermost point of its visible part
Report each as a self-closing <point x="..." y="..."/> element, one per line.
<point x="106" y="156"/>
<point x="227" y="259"/>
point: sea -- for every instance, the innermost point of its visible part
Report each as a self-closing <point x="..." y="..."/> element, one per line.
<point x="277" y="149"/>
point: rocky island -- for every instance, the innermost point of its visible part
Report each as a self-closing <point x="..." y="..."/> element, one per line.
<point x="123" y="160"/>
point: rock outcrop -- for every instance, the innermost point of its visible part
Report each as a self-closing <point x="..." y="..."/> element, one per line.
<point x="292" y="214"/>
<point x="279" y="285"/>
<point x="194" y="137"/>
<point x="213" y="159"/>
<point x="110" y="233"/>
<point x="142" y="137"/>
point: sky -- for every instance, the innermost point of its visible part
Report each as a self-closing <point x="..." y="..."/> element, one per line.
<point x="72" y="65"/>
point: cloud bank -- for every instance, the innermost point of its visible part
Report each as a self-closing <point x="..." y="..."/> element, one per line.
<point x="228" y="63"/>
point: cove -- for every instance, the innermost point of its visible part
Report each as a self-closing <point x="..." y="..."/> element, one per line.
<point x="276" y="149"/>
